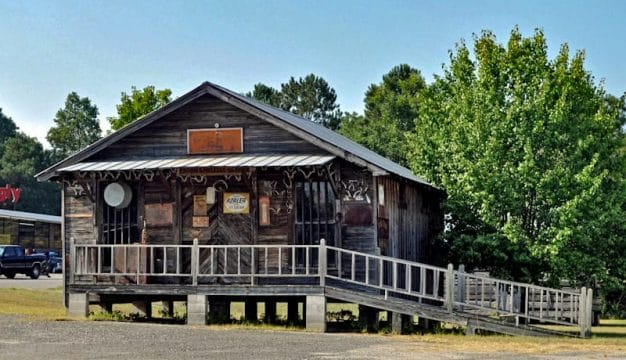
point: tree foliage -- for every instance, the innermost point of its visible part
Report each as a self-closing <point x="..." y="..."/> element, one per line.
<point x="76" y="126"/>
<point x="528" y="151"/>
<point x="310" y="97"/>
<point x="391" y="108"/>
<point x="138" y="104"/>
<point x="23" y="157"/>
<point x="8" y="129"/>
<point x="265" y="94"/>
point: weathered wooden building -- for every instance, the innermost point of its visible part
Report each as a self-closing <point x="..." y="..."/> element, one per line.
<point x="226" y="170"/>
<point x="216" y="197"/>
<point x="30" y="230"/>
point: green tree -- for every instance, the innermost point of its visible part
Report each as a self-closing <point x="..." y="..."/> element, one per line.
<point x="22" y="158"/>
<point x="265" y="94"/>
<point x="138" y="104"/>
<point x="528" y="151"/>
<point x="8" y="129"/>
<point x="391" y="108"/>
<point x="76" y="126"/>
<point x="311" y="97"/>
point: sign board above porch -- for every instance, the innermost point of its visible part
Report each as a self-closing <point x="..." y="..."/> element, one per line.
<point x="215" y="141"/>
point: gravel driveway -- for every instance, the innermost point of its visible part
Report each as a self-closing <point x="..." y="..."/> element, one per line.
<point x="21" y="338"/>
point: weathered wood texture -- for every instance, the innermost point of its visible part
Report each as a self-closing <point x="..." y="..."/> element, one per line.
<point x="414" y="218"/>
<point x="170" y="133"/>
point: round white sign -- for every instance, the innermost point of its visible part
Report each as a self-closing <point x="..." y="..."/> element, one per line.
<point x="118" y="195"/>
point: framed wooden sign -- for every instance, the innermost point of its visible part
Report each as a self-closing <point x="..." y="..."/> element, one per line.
<point x="215" y="141"/>
<point x="236" y="203"/>
<point x="200" y="221"/>
<point x="200" y="206"/>
<point x="159" y="214"/>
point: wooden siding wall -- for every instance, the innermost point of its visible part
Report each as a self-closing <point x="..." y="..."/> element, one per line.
<point x="358" y="225"/>
<point x="413" y="216"/>
<point x="170" y="133"/>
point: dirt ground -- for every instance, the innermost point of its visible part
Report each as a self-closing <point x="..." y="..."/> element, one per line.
<point x="24" y="338"/>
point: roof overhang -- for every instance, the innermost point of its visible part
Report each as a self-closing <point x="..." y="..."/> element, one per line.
<point x="221" y="161"/>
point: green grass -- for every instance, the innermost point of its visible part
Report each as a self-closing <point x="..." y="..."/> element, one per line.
<point x="44" y="304"/>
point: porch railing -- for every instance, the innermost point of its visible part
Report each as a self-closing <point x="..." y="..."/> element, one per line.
<point x="455" y="290"/>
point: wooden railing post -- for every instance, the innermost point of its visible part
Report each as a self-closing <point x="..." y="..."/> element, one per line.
<point x="253" y="266"/>
<point x="461" y="285"/>
<point x="322" y="262"/>
<point x="582" y="311"/>
<point x="73" y="259"/>
<point x="449" y="288"/>
<point x="589" y="310"/>
<point x="194" y="262"/>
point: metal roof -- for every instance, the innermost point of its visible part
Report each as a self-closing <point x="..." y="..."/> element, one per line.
<point x="203" y="161"/>
<point x="331" y="137"/>
<point x="29" y="216"/>
<point x="325" y="138"/>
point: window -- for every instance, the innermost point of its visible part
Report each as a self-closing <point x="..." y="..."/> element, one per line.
<point x="119" y="226"/>
<point x="315" y="213"/>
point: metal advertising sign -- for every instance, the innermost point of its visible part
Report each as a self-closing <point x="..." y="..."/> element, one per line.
<point x="236" y="203"/>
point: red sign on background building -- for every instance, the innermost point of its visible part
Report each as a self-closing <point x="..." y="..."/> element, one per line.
<point x="10" y="193"/>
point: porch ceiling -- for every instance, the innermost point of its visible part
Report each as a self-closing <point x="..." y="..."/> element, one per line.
<point x="202" y="162"/>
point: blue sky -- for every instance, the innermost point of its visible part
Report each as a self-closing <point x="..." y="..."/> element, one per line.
<point x="101" y="48"/>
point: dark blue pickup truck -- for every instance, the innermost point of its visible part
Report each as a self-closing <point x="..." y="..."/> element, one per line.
<point x="13" y="260"/>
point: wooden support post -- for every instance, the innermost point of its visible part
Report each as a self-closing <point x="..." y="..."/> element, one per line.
<point x="144" y="307"/>
<point x="470" y="329"/>
<point x="292" y="311"/>
<point x="106" y="306"/>
<point x="168" y="308"/>
<point x="219" y="309"/>
<point x="396" y="323"/>
<point x="322" y="262"/>
<point x="251" y="313"/>
<point x="449" y="288"/>
<point x="194" y="262"/>
<point x="589" y="309"/>
<point x="72" y="260"/>
<point x="582" y="312"/>
<point x="368" y="317"/>
<point x="461" y="286"/>
<point x="270" y="311"/>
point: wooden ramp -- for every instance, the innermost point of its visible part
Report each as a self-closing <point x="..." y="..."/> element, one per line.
<point x="438" y="313"/>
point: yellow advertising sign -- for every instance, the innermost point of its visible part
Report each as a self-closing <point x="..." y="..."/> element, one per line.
<point x="236" y="203"/>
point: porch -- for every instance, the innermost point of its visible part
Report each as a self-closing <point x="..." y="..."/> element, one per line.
<point x="208" y="276"/>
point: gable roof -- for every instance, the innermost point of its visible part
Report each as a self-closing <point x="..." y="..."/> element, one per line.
<point x="319" y="135"/>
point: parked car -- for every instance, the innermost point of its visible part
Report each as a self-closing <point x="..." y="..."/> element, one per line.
<point x="55" y="261"/>
<point x="13" y="260"/>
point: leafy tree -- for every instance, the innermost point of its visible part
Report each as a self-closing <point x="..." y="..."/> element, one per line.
<point x="8" y="129"/>
<point x="22" y="158"/>
<point x="390" y="111"/>
<point x="528" y="151"/>
<point x="311" y="97"/>
<point x="76" y="126"/>
<point x="265" y="94"/>
<point x="138" y="104"/>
